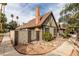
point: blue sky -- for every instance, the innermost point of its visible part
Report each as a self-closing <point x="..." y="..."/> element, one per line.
<point x="26" y="11"/>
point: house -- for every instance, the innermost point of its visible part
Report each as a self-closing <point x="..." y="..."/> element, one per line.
<point x="62" y="27"/>
<point x="37" y="26"/>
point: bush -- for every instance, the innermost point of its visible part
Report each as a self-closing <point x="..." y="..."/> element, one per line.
<point x="47" y="36"/>
<point x="1" y="31"/>
<point x="66" y="35"/>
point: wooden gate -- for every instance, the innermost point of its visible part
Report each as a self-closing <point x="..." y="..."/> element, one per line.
<point x="16" y="38"/>
<point x="37" y="35"/>
<point x="29" y="36"/>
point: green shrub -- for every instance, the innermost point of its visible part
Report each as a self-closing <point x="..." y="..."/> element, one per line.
<point x="47" y="36"/>
<point x="1" y="31"/>
<point x="66" y="35"/>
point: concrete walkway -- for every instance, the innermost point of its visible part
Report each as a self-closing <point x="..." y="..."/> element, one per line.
<point x="64" y="50"/>
<point x="6" y="48"/>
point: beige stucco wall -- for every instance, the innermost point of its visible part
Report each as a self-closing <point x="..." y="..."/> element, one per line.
<point x="52" y="31"/>
<point x="12" y="36"/>
<point x="23" y="36"/>
<point x="40" y="34"/>
<point x="33" y="34"/>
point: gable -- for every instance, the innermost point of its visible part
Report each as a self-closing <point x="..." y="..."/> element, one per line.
<point x="50" y="21"/>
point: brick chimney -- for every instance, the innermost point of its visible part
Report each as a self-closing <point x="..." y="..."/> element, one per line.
<point x="37" y="15"/>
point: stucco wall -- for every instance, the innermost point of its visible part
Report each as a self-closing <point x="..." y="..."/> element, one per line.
<point x="23" y="36"/>
<point x="41" y="34"/>
<point x="12" y="36"/>
<point x="52" y="31"/>
<point x="33" y="34"/>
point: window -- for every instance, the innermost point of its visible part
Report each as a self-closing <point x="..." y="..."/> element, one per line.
<point x="46" y="29"/>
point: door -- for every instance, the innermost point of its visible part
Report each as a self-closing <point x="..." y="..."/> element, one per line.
<point x="29" y="36"/>
<point x="37" y="35"/>
<point x="16" y="38"/>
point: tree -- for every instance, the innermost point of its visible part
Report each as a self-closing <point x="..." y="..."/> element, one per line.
<point x="3" y="5"/>
<point x="71" y="7"/>
<point x="72" y="11"/>
<point x="2" y="17"/>
<point x="12" y="16"/>
<point x="64" y="18"/>
<point x="12" y="25"/>
<point x="3" y="21"/>
<point x="17" y="17"/>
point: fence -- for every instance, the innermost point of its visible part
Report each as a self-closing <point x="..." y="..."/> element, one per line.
<point x="19" y="37"/>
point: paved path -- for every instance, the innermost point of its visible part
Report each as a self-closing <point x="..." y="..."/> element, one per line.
<point x="6" y="48"/>
<point x="64" y="50"/>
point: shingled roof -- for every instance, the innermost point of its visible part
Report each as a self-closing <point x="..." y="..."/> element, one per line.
<point x="32" y="24"/>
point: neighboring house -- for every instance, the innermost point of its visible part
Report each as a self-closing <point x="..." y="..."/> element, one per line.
<point x="62" y="27"/>
<point x="37" y="26"/>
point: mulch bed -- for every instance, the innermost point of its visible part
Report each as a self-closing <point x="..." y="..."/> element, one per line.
<point x="38" y="47"/>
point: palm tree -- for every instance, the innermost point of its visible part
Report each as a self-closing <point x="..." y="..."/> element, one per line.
<point x="12" y="16"/>
<point x="17" y="17"/>
<point x="4" y="4"/>
<point x="3" y="7"/>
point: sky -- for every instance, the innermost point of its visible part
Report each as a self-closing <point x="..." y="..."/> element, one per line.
<point x="26" y="11"/>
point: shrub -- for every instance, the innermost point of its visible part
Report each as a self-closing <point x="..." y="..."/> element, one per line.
<point x="66" y="35"/>
<point x="47" y="36"/>
<point x="1" y="31"/>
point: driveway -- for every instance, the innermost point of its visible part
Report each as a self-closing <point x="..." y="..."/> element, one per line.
<point x="6" y="47"/>
<point x="64" y="50"/>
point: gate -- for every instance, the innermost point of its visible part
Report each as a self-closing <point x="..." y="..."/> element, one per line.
<point x="29" y="36"/>
<point x="37" y="35"/>
<point x="16" y="38"/>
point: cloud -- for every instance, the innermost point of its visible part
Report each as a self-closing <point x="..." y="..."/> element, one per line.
<point x="17" y="10"/>
<point x="26" y="11"/>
